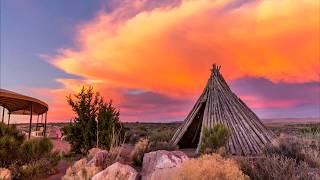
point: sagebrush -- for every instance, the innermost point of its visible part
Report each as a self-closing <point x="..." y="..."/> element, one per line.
<point x="275" y="167"/>
<point x="213" y="167"/>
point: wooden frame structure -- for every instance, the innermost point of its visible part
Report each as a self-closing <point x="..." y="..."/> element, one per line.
<point x="23" y="105"/>
<point x="218" y="104"/>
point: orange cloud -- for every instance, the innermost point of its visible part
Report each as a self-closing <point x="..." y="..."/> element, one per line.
<point x="170" y="50"/>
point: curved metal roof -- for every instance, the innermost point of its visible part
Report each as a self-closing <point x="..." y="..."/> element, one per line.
<point x="21" y="104"/>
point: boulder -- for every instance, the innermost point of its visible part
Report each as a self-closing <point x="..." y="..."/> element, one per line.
<point x="117" y="171"/>
<point x="5" y="174"/>
<point x="158" y="165"/>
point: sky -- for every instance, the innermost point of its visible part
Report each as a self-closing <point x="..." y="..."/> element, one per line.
<point x="153" y="58"/>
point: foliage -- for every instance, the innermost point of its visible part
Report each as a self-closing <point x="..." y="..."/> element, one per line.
<point x="10" y="141"/>
<point x="82" y="133"/>
<point x="209" y="167"/>
<point x="140" y="148"/>
<point x="35" y="149"/>
<point x="111" y="132"/>
<point x="144" y="146"/>
<point x="314" y="130"/>
<point x="275" y="167"/>
<point x="213" y="139"/>
<point x="158" y="145"/>
<point x="295" y="148"/>
<point x="161" y="135"/>
<point x="25" y="158"/>
<point x="39" y="168"/>
<point x="153" y="131"/>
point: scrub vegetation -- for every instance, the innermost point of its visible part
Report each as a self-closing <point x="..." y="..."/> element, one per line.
<point x="26" y="159"/>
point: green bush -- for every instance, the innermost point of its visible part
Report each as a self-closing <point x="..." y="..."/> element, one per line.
<point x="82" y="133"/>
<point x="214" y="138"/>
<point x="10" y="141"/>
<point x="25" y="159"/>
<point x="35" y="148"/>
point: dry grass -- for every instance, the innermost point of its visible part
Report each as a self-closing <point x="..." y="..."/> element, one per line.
<point x="138" y="151"/>
<point x="212" y="167"/>
<point x="80" y="171"/>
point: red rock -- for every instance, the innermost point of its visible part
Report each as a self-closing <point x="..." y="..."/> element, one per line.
<point x="117" y="171"/>
<point x="158" y="165"/>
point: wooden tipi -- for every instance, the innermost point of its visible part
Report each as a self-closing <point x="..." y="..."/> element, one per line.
<point x="218" y="104"/>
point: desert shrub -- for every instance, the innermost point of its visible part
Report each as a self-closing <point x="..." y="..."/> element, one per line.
<point x="162" y="136"/>
<point x="209" y="167"/>
<point x="214" y="138"/>
<point x="314" y="130"/>
<point x="275" y="167"/>
<point x="295" y="148"/>
<point x="26" y="159"/>
<point x="39" y="168"/>
<point x="35" y="149"/>
<point x="141" y="127"/>
<point x="140" y="148"/>
<point x="111" y="132"/>
<point x="312" y="157"/>
<point x="133" y="136"/>
<point x="10" y="141"/>
<point x="157" y="145"/>
<point x="82" y="133"/>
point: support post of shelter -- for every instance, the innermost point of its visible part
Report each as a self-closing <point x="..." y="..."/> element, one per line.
<point x="2" y="114"/>
<point x="30" y="121"/>
<point x="45" y="125"/>
<point x="37" y="123"/>
<point x="9" y="118"/>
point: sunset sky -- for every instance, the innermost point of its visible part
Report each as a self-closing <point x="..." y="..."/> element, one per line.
<point x="153" y="58"/>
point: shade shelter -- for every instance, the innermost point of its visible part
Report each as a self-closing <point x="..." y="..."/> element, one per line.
<point x="218" y="104"/>
<point x="20" y="104"/>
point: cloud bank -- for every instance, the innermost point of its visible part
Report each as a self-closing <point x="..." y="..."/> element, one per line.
<point x="164" y="50"/>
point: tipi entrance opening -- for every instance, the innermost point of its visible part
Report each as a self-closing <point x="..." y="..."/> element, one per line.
<point x="191" y="138"/>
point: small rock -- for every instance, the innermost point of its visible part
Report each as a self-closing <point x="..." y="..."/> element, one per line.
<point x="5" y="174"/>
<point x="117" y="171"/>
<point x="158" y="165"/>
